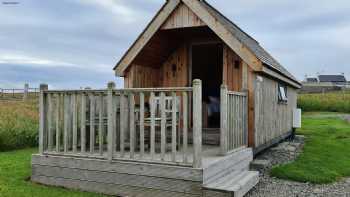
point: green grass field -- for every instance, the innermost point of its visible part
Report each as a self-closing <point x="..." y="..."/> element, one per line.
<point x="331" y="102"/>
<point x="326" y="156"/>
<point x="18" y="124"/>
<point x="15" y="171"/>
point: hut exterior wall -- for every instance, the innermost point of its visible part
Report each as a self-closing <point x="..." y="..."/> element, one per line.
<point x="272" y="119"/>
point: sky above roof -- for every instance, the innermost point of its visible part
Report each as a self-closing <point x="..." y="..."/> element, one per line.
<point x="76" y="43"/>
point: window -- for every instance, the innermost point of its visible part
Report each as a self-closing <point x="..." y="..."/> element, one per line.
<point x="282" y="94"/>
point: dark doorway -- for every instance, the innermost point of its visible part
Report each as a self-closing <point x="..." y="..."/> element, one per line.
<point x="207" y="65"/>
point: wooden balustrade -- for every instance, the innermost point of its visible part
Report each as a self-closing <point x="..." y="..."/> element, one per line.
<point x="142" y="124"/>
<point x="234" y="120"/>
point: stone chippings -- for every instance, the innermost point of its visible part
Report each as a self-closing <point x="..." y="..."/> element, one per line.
<point x="283" y="153"/>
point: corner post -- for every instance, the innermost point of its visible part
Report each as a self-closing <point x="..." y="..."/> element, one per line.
<point x="223" y="119"/>
<point x="197" y="123"/>
<point x="25" y="93"/>
<point x="110" y="115"/>
<point x="42" y="115"/>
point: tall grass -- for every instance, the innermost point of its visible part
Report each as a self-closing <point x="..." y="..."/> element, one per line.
<point x="18" y="124"/>
<point x="332" y="102"/>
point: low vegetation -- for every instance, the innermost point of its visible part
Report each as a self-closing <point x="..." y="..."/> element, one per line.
<point x="14" y="178"/>
<point x="18" y="124"/>
<point x="326" y="156"/>
<point x="331" y="102"/>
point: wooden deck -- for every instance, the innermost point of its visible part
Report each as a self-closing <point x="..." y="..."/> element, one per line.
<point x="134" y="178"/>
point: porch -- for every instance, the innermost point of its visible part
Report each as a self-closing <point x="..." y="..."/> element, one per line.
<point x="146" y="125"/>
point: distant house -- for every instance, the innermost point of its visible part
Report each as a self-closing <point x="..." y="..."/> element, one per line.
<point x="335" y="79"/>
<point x="324" y="83"/>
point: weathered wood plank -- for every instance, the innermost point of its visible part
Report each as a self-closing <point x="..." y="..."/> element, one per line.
<point x="58" y="126"/>
<point x="197" y="123"/>
<point x="123" y="123"/>
<point x="83" y="123"/>
<point x="133" y="168"/>
<point x="110" y="122"/>
<point x="163" y="125"/>
<point x="223" y="120"/>
<point x="119" y="179"/>
<point x="173" y="127"/>
<point x="100" y="124"/>
<point x="132" y="125"/>
<point x="185" y="126"/>
<point x="42" y="125"/>
<point x="153" y="124"/>
<point x="49" y="121"/>
<point x="66" y="123"/>
<point x="111" y="189"/>
<point x="92" y="122"/>
<point x="75" y="123"/>
<point x="142" y="124"/>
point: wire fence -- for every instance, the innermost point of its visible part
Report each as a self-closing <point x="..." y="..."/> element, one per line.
<point x="19" y="94"/>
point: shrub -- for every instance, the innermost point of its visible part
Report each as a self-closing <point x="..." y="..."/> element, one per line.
<point x="331" y="102"/>
<point x="18" y="124"/>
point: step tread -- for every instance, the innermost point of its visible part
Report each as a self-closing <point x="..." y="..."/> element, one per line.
<point x="240" y="182"/>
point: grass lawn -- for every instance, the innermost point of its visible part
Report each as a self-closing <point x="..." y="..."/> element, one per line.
<point x="15" y="171"/>
<point x="326" y="156"/>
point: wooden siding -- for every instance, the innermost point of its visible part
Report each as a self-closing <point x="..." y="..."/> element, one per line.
<point x="272" y="119"/>
<point x="172" y="73"/>
<point x="140" y="77"/>
<point x="179" y="62"/>
<point x="232" y="75"/>
<point x="182" y="17"/>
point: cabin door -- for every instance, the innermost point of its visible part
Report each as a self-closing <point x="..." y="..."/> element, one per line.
<point x="207" y="65"/>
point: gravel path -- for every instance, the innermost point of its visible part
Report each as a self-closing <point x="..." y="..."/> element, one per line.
<point x="273" y="187"/>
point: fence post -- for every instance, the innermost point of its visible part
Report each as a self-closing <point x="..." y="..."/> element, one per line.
<point x="111" y="127"/>
<point x="197" y="123"/>
<point x="223" y="119"/>
<point x="25" y="92"/>
<point x="42" y="110"/>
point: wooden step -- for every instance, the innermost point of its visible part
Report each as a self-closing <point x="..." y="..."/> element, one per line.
<point x="235" y="184"/>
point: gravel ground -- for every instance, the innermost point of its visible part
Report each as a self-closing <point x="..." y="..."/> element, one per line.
<point x="273" y="187"/>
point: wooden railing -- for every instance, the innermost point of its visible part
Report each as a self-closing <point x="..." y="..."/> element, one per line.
<point x="234" y="120"/>
<point x="19" y="94"/>
<point x="143" y="124"/>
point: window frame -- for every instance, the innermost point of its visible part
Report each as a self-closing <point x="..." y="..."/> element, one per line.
<point x="282" y="93"/>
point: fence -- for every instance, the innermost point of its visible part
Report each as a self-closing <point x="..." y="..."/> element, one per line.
<point x="234" y="120"/>
<point x="125" y="124"/>
<point x="19" y="94"/>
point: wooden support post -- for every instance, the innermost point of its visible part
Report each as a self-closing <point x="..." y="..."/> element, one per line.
<point x="25" y="92"/>
<point x="111" y="125"/>
<point x="83" y="123"/>
<point x="42" y="126"/>
<point x="58" y="126"/>
<point x="197" y="123"/>
<point x="223" y="119"/>
<point x="66" y="123"/>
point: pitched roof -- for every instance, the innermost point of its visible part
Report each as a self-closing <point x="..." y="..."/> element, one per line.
<point x="249" y="42"/>
<point x="332" y="78"/>
<point x="210" y="15"/>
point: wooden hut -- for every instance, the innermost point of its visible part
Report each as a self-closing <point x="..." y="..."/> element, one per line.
<point x="200" y="97"/>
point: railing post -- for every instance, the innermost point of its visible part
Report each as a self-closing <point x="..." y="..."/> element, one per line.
<point x="42" y="115"/>
<point x="223" y="119"/>
<point x="25" y="92"/>
<point x="197" y="123"/>
<point x="111" y="124"/>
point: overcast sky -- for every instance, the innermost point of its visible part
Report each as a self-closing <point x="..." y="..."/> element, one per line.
<point x="76" y="43"/>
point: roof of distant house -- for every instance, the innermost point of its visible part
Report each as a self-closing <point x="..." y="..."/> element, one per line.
<point x="332" y="78"/>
